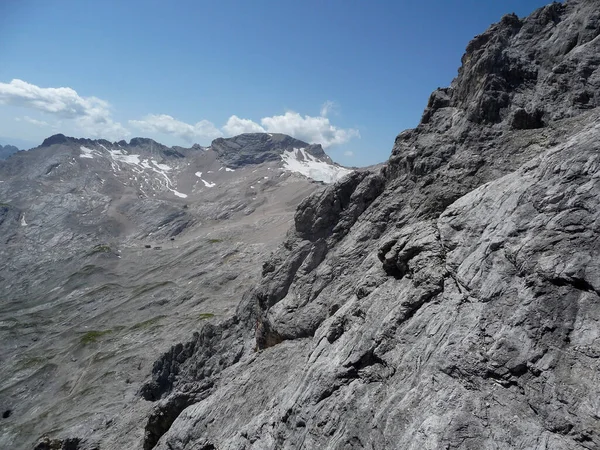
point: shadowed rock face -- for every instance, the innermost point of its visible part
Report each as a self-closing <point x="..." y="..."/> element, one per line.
<point x="7" y="150"/>
<point x="448" y="301"/>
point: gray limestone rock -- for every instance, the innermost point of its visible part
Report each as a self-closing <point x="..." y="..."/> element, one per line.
<point x="448" y="302"/>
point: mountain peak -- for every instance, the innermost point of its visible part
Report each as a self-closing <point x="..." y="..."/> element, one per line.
<point x="256" y="148"/>
<point x="7" y="150"/>
<point x="134" y="142"/>
<point x="141" y="141"/>
<point x="61" y="139"/>
<point x="55" y="139"/>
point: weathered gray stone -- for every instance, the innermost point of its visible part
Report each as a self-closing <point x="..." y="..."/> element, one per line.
<point x="454" y="302"/>
<point x="448" y="301"/>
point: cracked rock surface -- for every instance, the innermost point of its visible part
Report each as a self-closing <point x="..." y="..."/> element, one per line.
<point x="449" y="300"/>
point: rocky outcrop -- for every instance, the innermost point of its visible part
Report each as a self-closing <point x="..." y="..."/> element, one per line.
<point x="62" y="444"/>
<point x="449" y="301"/>
<point x="256" y="148"/>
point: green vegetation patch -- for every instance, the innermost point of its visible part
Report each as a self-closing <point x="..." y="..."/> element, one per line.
<point x="100" y="248"/>
<point x="204" y="316"/>
<point x="31" y="361"/>
<point x="147" y="323"/>
<point x="92" y="336"/>
<point x="214" y="241"/>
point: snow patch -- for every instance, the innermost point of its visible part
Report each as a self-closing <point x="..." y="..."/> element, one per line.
<point x="88" y="153"/>
<point x="227" y="169"/>
<point x="178" y="194"/>
<point x="23" y="223"/>
<point x="163" y="167"/>
<point x="122" y="156"/>
<point x="206" y="183"/>
<point x="299" y="161"/>
<point x="138" y="165"/>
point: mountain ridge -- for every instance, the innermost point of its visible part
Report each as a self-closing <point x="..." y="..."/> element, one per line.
<point x="447" y="300"/>
<point x="443" y="302"/>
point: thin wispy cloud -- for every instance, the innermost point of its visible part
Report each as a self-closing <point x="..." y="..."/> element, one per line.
<point x="37" y="123"/>
<point x="328" y="107"/>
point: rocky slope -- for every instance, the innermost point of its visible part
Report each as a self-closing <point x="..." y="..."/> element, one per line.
<point x="448" y="301"/>
<point x="109" y="252"/>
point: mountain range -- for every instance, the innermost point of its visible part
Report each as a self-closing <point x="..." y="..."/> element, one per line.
<point x="447" y="299"/>
<point x="110" y="251"/>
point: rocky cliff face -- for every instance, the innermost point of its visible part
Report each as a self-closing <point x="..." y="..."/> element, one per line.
<point x="449" y="301"/>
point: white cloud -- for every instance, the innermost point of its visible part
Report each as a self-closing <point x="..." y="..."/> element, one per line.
<point x="100" y="126"/>
<point x="91" y="114"/>
<point x="314" y="130"/>
<point x="62" y="101"/>
<point x="163" y="123"/>
<point x="39" y="123"/>
<point x="349" y="154"/>
<point x="91" y="117"/>
<point x="328" y="107"/>
<point x="235" y="126"/>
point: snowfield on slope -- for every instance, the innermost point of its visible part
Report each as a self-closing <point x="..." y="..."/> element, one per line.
<point x="136" y="163"/>
<point x="304" y="163"/>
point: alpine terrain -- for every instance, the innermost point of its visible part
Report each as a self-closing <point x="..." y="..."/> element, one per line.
<point x="449" y="299"/>
<point x="109" y="252"/>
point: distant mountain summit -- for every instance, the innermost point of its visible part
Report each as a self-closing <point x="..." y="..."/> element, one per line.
<point x="7" y="150"/>
<point x="253" y="148"/>
<point x="297" y="156"/>
<point x="157" y="166"/>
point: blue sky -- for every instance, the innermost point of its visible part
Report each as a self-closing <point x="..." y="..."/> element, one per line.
<point x="348" y="74"/>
